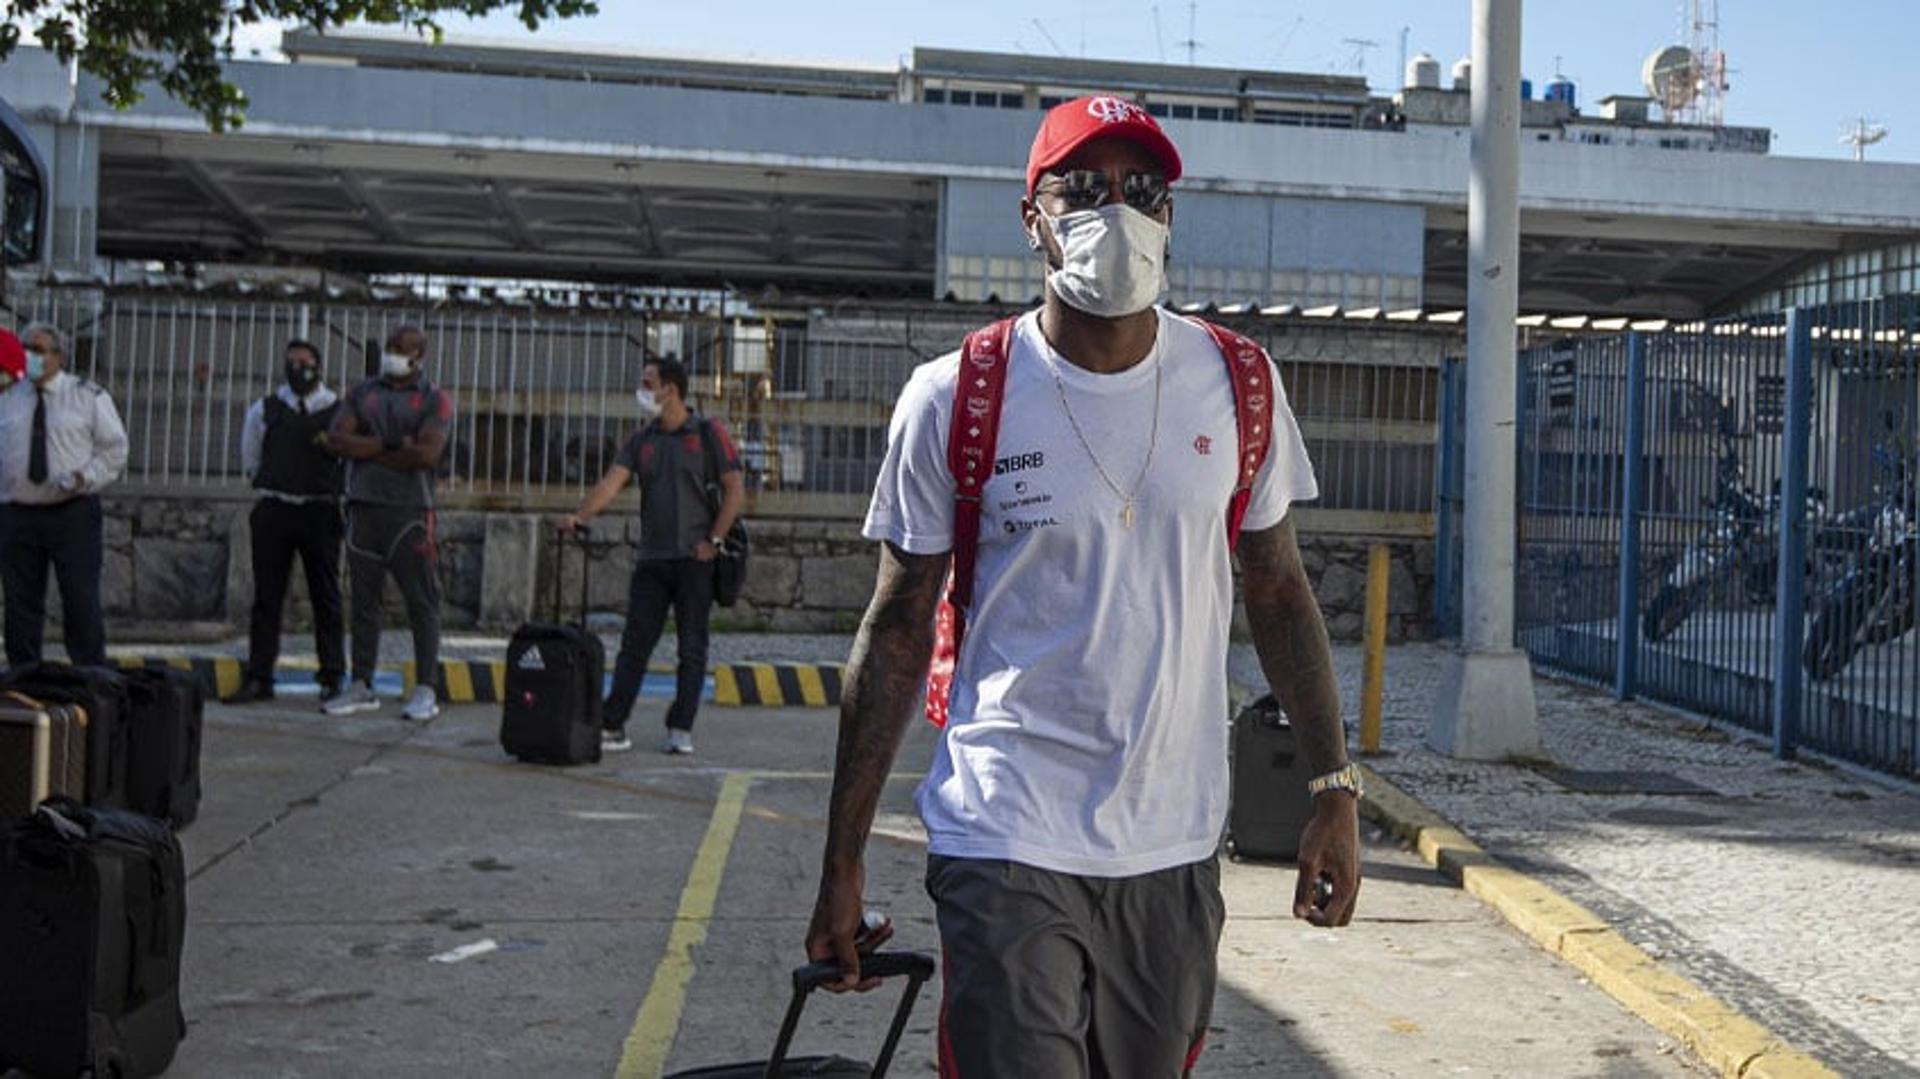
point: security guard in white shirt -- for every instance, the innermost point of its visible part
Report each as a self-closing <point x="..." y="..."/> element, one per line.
<point x="299" y="483"/>
<point x="61" y="442"/>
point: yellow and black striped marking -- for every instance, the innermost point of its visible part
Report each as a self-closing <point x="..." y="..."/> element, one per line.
<point x="466" y="681"/>
<point x="811" y="685"/>
<point x="219" y="675"/>
<point x="483" y="681"/>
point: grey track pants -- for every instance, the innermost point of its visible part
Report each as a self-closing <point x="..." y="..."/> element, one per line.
<point x="1072" y="977"/>
<point x="398" y="540"/>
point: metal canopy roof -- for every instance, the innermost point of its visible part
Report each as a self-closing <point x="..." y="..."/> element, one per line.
<point x="278" y="201"/>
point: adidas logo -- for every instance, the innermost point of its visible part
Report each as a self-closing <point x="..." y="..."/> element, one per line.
<point x="531" y="661"/>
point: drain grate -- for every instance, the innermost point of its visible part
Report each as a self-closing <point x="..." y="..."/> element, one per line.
<point x="1625" y="782"/>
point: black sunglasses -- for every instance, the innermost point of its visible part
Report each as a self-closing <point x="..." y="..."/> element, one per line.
<point x="1083" y="189"/>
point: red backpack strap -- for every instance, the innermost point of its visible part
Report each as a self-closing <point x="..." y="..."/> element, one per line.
<point x="1251" y="373"/>
<point x="975" y="429"/>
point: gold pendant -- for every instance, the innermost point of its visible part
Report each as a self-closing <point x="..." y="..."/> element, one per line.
<point x="1126" y="515"/>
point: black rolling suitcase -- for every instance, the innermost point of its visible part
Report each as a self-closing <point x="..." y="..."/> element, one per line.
<point x="551" y="714"/>
<point x="102" y="694"/>
<point x="163" y="743"/>
<point x="1269" y="806"/>
<point x="92" y="918"/>
<point x="913" y="966"/>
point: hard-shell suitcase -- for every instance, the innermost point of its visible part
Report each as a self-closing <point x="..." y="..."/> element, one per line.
<point x="92" y="917"/>
<point x="43" y="752"/>
<point x="163" y="743"/>
<point x="551" y="711"/>
<point x="913" y="966"/>
<point x="1269" y="805"/>
<point x="102" y="694"/>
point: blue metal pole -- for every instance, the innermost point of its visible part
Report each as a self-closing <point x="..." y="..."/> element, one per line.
<point x="1790" y="607"/>
<point x="1632" y="494"/>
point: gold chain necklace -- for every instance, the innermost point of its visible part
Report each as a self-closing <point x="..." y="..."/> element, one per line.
<point x="1127" y="498"/>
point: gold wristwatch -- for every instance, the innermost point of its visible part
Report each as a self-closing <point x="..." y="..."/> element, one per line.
<point x="1342" y="779"/>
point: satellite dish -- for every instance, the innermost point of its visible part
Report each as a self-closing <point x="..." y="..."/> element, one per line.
<point x="1672" y="77"/>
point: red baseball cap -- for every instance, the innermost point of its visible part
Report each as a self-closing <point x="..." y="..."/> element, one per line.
<point x="13" y="355"/>
<point x="1071" y="124"/>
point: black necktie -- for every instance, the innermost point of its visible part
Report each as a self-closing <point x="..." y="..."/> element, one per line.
<point x="37" y="450"/>
<point x="303" y="406"/>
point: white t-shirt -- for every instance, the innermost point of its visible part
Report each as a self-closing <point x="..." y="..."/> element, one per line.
<point x="1089" y="720"/>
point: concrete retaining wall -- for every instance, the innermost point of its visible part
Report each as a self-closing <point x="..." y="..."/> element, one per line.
<point x="171" y="562"/>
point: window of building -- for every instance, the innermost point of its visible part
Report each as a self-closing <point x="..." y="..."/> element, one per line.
<point x="960" y="97"/>
<point x="1181" y="112"/>
<point x="934" y="97"/>
<point x="1048" y="101"/>
<point x="1154" y="108"/>
<point x="1206" y="112"/>
<point x="1013" y="101"/>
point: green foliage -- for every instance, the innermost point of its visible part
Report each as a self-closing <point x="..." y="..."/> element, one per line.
<point x="180" y="44"/>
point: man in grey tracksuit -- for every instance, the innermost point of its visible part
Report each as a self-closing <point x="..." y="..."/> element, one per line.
<point x="393" y="429"/>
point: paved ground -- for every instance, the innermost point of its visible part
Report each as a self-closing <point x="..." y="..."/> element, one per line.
<point x="1791" y="891"/>
<point x="335" y="860"/>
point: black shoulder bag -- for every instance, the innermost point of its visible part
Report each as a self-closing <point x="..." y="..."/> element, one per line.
<point x="730" y="563"/>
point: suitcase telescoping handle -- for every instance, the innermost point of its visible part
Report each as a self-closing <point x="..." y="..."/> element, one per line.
<point x="916" y="967"/>
<point x="583" y="535"/>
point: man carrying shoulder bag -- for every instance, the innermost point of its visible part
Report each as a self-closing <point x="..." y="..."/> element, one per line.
<point x="673" y="459"/>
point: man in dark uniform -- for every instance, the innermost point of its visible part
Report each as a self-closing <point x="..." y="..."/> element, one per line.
<point x="677" y="456"/>
<point x="283" y="447"/>
<point x="61" y="441"/>
<point x="393" y="429"/>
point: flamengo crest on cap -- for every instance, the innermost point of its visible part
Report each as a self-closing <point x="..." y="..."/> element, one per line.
<point x="1112" y="110"/>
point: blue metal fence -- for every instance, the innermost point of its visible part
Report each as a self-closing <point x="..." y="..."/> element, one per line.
<point x="1722" y="516"/>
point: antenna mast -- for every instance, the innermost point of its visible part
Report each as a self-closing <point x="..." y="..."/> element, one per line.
<point x="1360" y="47"/>
<point x="1192" y="44"/>
<point x="1709" y="105"/>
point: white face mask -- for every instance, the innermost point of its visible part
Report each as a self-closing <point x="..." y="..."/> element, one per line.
<point x="1113" y="260"/>
<point x="649" y="404"/>
<point x="394" y="365"/>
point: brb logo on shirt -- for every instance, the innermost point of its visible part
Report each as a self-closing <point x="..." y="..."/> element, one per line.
<point x="1019" y="462"/>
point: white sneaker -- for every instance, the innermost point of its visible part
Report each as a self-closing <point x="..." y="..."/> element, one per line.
<point x="612" y="741"/>
<point x="678" y="742"/>
<point x="423" y="705"/>
<point x="356" y="697"/>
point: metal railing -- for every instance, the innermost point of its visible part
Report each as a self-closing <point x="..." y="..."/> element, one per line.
<point x="1721" y="516"/>
<point x="543" y="398"/>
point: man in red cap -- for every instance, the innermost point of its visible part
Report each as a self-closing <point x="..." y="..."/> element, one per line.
<point x="1083" y="471"/>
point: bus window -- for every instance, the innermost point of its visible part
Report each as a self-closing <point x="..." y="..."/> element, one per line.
<point x="25" y="195"/>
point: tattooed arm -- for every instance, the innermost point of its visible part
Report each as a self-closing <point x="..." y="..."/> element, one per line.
<point x="1291" y="639"/>
<point x="885" y="674"/>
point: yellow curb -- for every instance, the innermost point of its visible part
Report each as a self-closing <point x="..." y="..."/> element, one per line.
<point x="1727" y="1041"/>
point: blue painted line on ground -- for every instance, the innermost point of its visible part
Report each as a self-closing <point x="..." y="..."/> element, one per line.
<point x="656" y="685"/>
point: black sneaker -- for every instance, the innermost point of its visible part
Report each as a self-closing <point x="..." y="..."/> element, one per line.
<point x="251" y="691"/>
